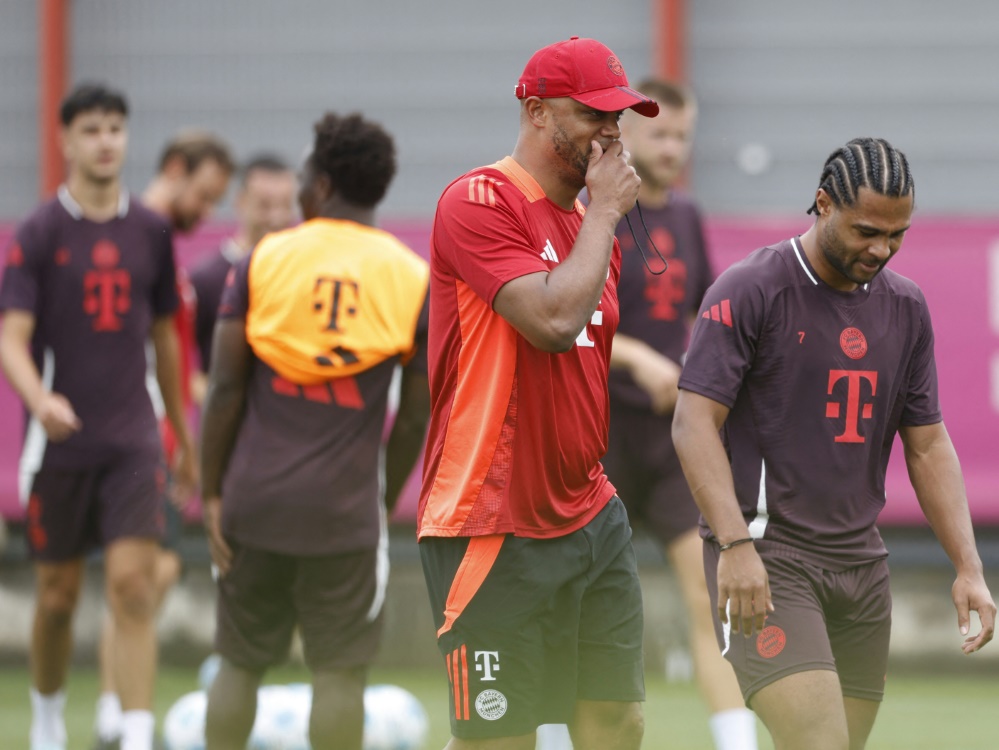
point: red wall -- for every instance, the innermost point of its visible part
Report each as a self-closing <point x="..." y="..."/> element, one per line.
<point x="956" y="262"/>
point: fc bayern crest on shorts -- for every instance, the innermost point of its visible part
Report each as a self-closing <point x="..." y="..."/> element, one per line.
<point x="770" y="641"/>
<point x="853" y="342"/>
<point x="490" y="705"/>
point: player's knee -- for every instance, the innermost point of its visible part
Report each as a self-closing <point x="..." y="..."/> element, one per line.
<point x="132" y="595"/>
<point x="168" y="567"/>
<point x="631" y="725"/>
<point x="625" y="722"/>
<point x="335" y="729"/>
<point x="55" y="605"/>
<point x="337" y="717"/>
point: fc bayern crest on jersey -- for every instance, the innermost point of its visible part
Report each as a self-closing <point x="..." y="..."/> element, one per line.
<point x="490" y="705"/>
<point x="853" y="342"/>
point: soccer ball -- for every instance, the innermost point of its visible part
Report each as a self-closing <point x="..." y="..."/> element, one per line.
<point x="184" y="725"/>
<point x="393" y="719"/>
<point x="207" y="671"/>
<point x="282" y="721"/>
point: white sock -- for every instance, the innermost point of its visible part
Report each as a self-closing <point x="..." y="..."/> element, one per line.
<point x="553" y="737"/>
<point x="47" y="724"/>
<point x="107" y="722"/>
<point x="734" y="729"/>
<point x="137" y="730"/>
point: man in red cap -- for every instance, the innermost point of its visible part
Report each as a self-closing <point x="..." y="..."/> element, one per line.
<point x="525" y="547"/>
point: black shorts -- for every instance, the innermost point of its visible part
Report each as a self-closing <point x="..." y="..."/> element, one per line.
<point x="74" y="511"/>
<point x="529" y="626"/>
<point x="822" y="619"/>
<point x="336" y="600"/>
<point x="642" y="464"/>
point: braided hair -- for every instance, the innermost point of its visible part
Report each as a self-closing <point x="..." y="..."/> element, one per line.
<point x="865" y="162"/>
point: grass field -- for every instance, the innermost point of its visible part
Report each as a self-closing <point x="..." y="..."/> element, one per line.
<point x="927" y="712"/>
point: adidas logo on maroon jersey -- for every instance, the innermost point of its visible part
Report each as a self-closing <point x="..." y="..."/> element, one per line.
<point x="720" y="313"/>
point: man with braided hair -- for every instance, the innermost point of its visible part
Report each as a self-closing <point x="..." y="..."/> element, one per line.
<point x="312" y="326"/>
<point x="810" y="356"/>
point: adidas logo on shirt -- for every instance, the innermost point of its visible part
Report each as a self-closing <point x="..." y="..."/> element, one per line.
<point x="721" y="313"/>
<point x="549" y="252"/>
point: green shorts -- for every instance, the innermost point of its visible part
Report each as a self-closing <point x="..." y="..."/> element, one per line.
<point x="529" y="626"/>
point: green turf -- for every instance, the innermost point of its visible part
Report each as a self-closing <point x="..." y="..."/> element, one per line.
<point x="931" y="712"/>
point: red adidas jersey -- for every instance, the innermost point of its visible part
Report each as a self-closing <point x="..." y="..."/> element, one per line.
<point x="516" y="434"/>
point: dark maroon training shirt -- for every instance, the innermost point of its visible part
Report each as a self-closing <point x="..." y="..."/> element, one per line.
<point x="94" y="289"/>
<point x="819" y="382"/>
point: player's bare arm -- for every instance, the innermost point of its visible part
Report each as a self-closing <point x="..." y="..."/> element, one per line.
<point x="220" y="420"/>
<point x="168" y="374"/>
<point x="654" y="373"/>
<point x="52" y="410"/>
<point x="935" y="473"/>
<point x="406" y="440"/>
<point x="743" y="585"/>
<point x="550" y="309"/>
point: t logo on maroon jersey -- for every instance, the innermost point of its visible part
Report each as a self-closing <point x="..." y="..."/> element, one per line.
<point x="855" y="410"/>
<point x="107" y="289"/>
<point x="665" y="292"/>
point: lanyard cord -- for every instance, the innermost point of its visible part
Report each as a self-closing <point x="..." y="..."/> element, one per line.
<point x="627" y="218"/>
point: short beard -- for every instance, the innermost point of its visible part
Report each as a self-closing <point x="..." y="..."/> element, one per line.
<point x="828" y="247"/>
<point x="575" y="161"/>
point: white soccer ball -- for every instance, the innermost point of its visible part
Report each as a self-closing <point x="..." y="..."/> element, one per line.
<point x="394" y="719"/>
<point x="184" y="724"/>
<point x="207" y="671"/>
<point x="282" y="721"/>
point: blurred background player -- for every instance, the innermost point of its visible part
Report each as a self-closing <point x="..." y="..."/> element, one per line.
<point x="297" y="483"/>
<point x="264" y="203"/>
<point x="192" y="178"/>
<point x="89" y="280"/>
<point x="525" y="547"/>
<point x="808" y="358"/>
<point x="656" y="313"/>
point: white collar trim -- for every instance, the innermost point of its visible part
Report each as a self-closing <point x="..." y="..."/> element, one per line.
<point x="75" y="210"/>
<point x="797" y="253"/>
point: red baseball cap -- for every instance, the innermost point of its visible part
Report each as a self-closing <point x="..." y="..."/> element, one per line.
<point x="584" y="70"/>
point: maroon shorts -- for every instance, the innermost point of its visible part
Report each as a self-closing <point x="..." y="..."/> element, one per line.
<point x="73" y="511"/>
<point x="822" y="619"/>
<point x="336" y="601"/>
<point x="644" y="468"/>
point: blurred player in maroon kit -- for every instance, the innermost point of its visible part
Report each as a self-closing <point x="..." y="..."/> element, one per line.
<point x="656" y="313"/>
<point x="192" y="177"/>
<point x="90" y="278"/>
<point x="297" y="482"/>
<point x="525" y="547"/>
<point x="264" y="203"/>
<point x="810" y="356"/>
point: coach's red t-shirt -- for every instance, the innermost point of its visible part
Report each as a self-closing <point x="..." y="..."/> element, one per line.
<point x="516" y="433"/>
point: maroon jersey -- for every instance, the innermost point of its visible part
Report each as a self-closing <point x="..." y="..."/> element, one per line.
<point x="94" y="290"/>
<point x="304" y="477"/>
<point x="657" y="309"/>
<point x="818" y="382"/>
<point x="208" y="280"/>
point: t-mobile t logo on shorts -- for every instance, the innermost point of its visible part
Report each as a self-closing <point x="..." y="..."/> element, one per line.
<point x="486" y="662"/>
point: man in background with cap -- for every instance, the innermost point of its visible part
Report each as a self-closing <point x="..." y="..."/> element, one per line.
<point x="525" y="547"/>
